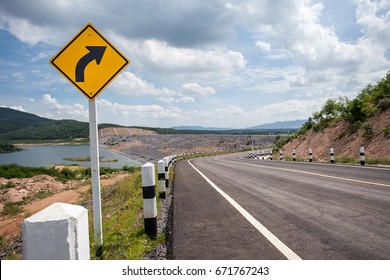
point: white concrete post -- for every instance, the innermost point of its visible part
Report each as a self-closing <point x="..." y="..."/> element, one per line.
<point x="270" y="155"/>
<point x="331" y="155"/>
<point x="262" y="154"/>
<point x="58" y="232"/>
<point x="161" y="178"/>
<point x="149" y="199"/>
<point x="294" y="155"/>
<point x="280" y="155"/>
<point x="310" y="155"/>
<point x="362" y="158"/>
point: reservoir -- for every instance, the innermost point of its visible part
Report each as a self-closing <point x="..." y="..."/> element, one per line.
<point x="52" y="155"/>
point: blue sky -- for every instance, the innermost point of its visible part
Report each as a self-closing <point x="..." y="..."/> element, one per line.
<point x="213" y="63"/>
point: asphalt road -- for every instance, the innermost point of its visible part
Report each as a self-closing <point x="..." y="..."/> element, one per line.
<point x="254" y="209"/>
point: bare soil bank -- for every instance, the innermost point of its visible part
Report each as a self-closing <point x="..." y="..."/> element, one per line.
<point x="153" y="147"/>
<point x="345" y="141"/>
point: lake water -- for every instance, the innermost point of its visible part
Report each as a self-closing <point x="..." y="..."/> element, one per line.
<point x="51" y="155"/>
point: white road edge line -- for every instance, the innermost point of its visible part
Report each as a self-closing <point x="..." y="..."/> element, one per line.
<point x="286" y="251"/>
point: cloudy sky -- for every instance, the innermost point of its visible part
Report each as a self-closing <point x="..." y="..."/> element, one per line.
<point x="214" y="63"/>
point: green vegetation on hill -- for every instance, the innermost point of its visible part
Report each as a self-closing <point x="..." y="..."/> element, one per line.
<point x="19" y="127"/>
<point x="11" y="120"/>
<point x="372" y="99"/>
<point x="51" y="130"/>
<point x="10" y="171"/>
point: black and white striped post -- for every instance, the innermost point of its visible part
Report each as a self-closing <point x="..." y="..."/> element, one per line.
<point x="331" y="155"/>
<point x="294" y="155"/>
<point x="280" y="155"/>
<point x="262" y="154"/>
<point x="270" y="155"/>
<point x="310" y="155"/>
<point x="362" y="158"/>
<point x="161" y="178"/>
<point x="149" y="199"/>
<point x="166" y="159"/>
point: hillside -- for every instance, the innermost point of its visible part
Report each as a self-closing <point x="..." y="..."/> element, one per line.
<point x="346" y="142"/>
<point x="346" y="125"/>
<point x="11" y="120"/>
<point x="20" y="126"/>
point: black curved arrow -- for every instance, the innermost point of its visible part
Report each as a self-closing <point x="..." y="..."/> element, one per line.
<point x="95" y="53"/>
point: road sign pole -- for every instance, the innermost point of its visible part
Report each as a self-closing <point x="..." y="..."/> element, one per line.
<point x="95" y="173"/>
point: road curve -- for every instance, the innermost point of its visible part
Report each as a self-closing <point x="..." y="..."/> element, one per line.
<point x="318" y="211"/>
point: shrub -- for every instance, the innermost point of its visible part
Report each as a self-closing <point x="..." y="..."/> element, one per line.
<point x="368" y="131"/>
<point x="12" y="208"/>
<point x="386" y="131"/>
<point x="384" y="104"/>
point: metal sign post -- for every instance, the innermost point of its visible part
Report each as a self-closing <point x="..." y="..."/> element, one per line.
<point x="90" y="62"/>
<point x="95" y="173"/>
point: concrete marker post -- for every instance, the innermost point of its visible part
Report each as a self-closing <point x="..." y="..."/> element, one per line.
<point x="331" y="155"/>
<point x="362" y="158"/>
<point x="310" y="155"/>
<point x="270" y="155"/>
<point x="166" y="172"/>
<point x="58" y="232"/>
<point x="280" y="155"/>
<point x="161" y="178"/>
<point x="294" y="155"/>
<point x="149" y="199"/>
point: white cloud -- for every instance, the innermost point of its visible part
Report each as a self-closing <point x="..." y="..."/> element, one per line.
<point x="263" y="46"/>
<point x="160" y="57"/>
<point x="287" y="110"/>
<point x="18" y="108"/>
<point x="56" y="110"/>
<point x="195" y="89"/>
<point x="129" y="84"/>
<point x="374" y="17"/>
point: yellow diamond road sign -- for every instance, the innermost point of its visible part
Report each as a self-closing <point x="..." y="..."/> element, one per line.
<point x="89" y="61"/>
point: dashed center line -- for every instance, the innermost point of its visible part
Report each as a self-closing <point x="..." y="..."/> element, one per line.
<point x="286" y="251"/>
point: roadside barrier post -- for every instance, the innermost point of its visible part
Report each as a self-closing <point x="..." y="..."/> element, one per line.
<point x="58" y="232"/>
<point x="362" y="158"/>
<point x="280" y="155"/>
<point x="262" y="154"/>
<point x="310" y="155"/>
<point x="270" y="154"/>
<point x="161" y="178"/>
<point x="166" y="172"/>
<point x="294" y="155"/>
<point x="331" y="154"/>
<point x="149" y="199"/>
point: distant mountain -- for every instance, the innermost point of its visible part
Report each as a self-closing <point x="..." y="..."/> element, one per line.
<point x="280" y="125"/>
<point x="276" y="125"/>
<point x="200" y="128"/>
<point x="11" y="120"/>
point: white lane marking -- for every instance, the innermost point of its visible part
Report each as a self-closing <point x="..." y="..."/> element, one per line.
<point x="307" y="172"/>
<point x="286" y="251"/>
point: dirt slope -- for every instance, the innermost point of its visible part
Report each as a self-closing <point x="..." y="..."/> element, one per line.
<point x="344" y="141"/>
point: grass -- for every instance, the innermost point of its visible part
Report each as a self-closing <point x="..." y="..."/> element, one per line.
<point x="11" y="209"/>
<point x="122" y="216"/>
<point x="123" y="225"/>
